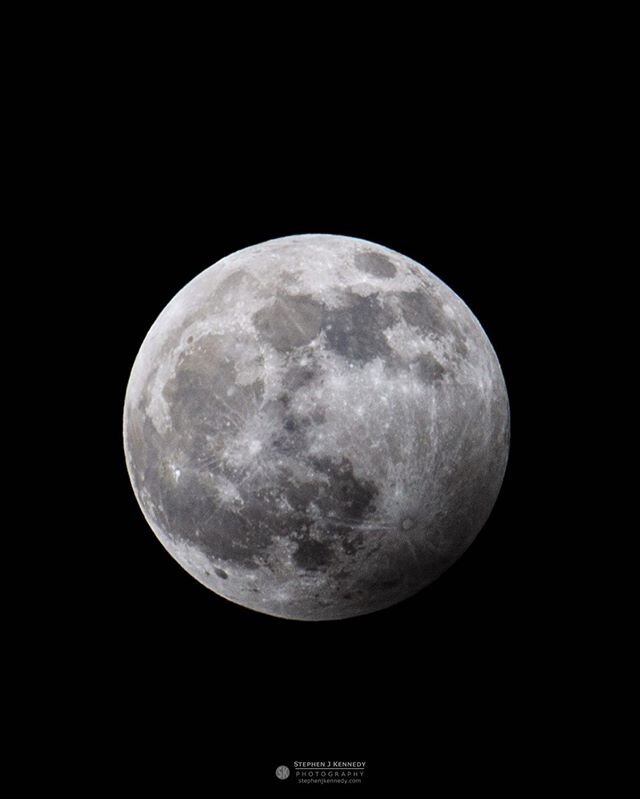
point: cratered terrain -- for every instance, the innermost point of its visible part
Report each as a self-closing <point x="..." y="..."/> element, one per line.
<point x="316" y="427"/>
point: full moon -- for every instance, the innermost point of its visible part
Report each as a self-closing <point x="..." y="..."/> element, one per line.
<point x="316" y="427"/>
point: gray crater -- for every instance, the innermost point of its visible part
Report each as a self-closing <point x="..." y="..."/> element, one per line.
<point x="356" y="331"/>
<point x="290" y="321"/>
<point x="374" y="263"/>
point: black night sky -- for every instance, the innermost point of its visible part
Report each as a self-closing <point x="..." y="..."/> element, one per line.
<point x="446" y="681"/>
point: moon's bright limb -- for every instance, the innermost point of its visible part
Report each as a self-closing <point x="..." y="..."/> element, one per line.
<point x="316" y="427"/>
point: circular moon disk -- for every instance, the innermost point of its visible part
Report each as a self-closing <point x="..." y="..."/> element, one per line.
<point x="316" y="427"/>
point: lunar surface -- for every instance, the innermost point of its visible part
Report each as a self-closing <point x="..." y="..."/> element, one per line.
<point x="316" y="427"/>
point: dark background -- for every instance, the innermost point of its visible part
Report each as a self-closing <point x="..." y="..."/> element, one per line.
<point x="452" y="682"/>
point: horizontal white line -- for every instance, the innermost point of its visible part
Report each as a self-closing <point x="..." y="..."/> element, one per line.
<point x="328" y="768"/>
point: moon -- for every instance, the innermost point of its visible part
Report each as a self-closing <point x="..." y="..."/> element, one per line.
<point x="316" y="427"/>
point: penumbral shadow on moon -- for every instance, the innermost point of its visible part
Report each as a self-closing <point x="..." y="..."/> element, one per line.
<point x="316" y="427"/>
